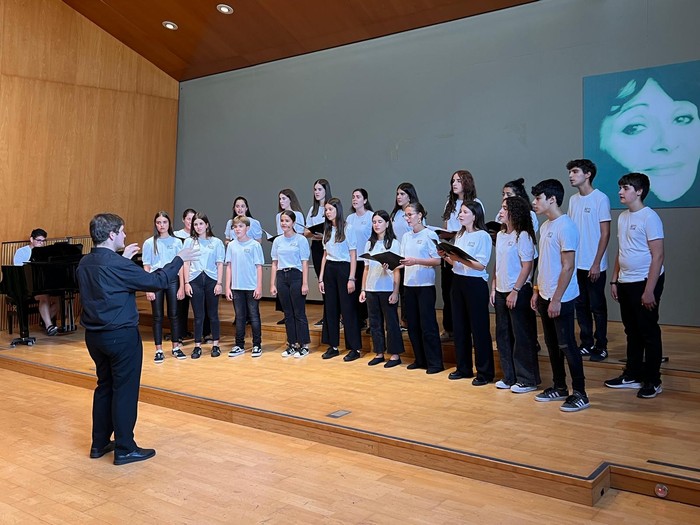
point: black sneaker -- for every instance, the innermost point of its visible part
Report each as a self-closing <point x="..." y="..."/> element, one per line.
<point x="649" y="390"/>
<point x="586" y="350"/>
<point x="575" y="402"/>
<point x="351" y="356"/>
<point x="319" y="322"/>
<point x="178" y="353"/>
<point x="623" y="381"/>
<point x="196" y="353"/>
<point x="52" y="330"/>
<point x="599" y="355"/>
<point x="552" y="394"/>
<point x="158" y="359"/>
<point x="215" y="351"/>
<point x="330" y="353"/>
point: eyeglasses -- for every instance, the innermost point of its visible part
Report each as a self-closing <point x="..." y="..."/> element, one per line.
<point x="40" y="240"/>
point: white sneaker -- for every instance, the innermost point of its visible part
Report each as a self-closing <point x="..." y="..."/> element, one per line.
<point x="502" y="385"/>
<point x="301" y="352"/>
<point x="236" y="351"/>
<point x="519" y="388"/>
<point x="257" y="351"/>
<point x="289" y="351"/>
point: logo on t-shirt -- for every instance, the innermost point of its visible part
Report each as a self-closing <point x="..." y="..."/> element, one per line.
<point x="586" y="210"/>
<point x="550" y="235"/>
<point x="419" y="241"/>
<point x="633" y="226"/>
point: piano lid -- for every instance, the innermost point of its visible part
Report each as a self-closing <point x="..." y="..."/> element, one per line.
<point x="60" y="251"/>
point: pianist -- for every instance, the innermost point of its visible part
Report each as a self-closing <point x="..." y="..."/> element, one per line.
<point x="47" y="308"/>
<point x="108" y="283"/>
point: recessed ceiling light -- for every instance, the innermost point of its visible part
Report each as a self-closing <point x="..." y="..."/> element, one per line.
<point x="167" y="24"/>
<point x="224" y="9"/>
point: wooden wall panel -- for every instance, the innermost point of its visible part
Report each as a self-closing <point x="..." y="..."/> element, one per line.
<point x="87" y="125"/>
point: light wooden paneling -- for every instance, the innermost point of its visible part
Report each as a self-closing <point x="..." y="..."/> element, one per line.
<point x="87" y="125"/>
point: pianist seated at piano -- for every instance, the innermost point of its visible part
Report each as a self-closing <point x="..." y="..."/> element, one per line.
<point x="48" y="308"/>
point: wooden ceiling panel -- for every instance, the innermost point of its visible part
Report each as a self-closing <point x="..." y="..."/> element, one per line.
<point x="259" y="31"/>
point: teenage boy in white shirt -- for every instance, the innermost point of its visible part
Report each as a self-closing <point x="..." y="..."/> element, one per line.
<point x="590" y="211"/>
<point x="637" y="284"/>
<point x="555" y="296"/>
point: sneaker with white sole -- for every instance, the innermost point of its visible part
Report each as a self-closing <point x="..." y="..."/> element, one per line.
<point x="159" y="358"/>
<point x="301" y="352"/>
<point x="649" y="391"/>
<point x="178" y="353"/>
<point x="289" y="351"/>
<point x="575" y="402"/>
<point x="586" y="350"/>
<point x="257" y="351"/>
<point x="502" y="385"/>
<point x="552" y="394"/>
<point x="623" y="381"/>
<point x="520" y="388"/>
<point x="236" y="351"/>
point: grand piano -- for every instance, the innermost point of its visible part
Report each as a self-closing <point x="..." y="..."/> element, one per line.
<point x="50" y="271"/>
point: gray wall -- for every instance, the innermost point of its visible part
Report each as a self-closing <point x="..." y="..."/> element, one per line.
<point x="499" y="94"/>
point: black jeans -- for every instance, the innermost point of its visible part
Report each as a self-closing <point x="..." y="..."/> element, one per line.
<point x="591" y="305"/>
<point x="516" y="349"/>
<point x="294" y="306"/>
<point x="170" y="293"/>
<point x="470" y="307"/>
<point x="423" y="328"/>
<point x="384" y="314"/>
<point x="247" y="307"/>
<point x="337" y="301"/>
<point x="118" y="355"/>
<point x="560" y="339"/>
<point x="644" y="347"/>
<point x="205" y="303"/>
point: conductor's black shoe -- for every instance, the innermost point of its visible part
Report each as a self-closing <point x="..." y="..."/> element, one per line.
<point x="140" y="454"/>
<point x="281" y="321"/>
<point x="434" y="370"/>
<point x="96" y="452"/>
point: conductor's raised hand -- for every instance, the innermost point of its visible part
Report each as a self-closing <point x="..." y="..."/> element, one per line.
<point x="131" y="250"/>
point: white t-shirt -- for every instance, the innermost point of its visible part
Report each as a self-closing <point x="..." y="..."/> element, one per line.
<point x="557" y="236"/>
<point x="453" y="223"/>
<point x="182" y="234"/>
<point x="211" y="253"/>
<point x="477" y="244"/>
<point x="634" y="231"/>
<point x="340" y="251"/>
<point x="244" y="257"/>
<point x="588" y="212"/>
<point x="254" y="232"/>
<point x="167" y="250"/>
<point x="289" y="252"/>
<point x="313" y="220"/>
<point x="379" y="279"/>
<point x="399" y="225"/>
<point x="298" y="223"/>
<point x="421" y="246"/>
<point x="362" y="226"/>
<point x="22" y="255"/>
<point x="511" y="251"/>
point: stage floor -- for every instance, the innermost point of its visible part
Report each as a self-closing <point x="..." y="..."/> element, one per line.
<point x="660" y="434"/>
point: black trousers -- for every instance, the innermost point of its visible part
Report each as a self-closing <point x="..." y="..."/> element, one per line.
<point x="591" y="305"/>
<point x="289" y="283"/>
<point x="169" y="294"/>
<point x="560" y="339"/>
<point x="118" y="355"/>
<point x="423" y="328"/>
<point x="384" y="314"/>
<point x="470" y="307"/>
<point x="205" y="304"/>
<point x="644" y="348"/>
<point x="339" y="301"/>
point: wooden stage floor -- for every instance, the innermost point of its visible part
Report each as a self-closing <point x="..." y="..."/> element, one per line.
<point x="478" y="432"/>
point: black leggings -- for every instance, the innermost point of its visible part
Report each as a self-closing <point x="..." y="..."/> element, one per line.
<point x="170" y="293"/>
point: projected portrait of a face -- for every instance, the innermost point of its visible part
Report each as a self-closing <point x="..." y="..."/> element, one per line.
<point x="646" y="121"/>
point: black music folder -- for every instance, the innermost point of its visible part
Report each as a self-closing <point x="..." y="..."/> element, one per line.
<point x="390" y="258"/>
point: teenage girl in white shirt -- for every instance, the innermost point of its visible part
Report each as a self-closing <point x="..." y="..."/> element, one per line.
<point x="361" y="223"/>
<point x="240" y="207"/>
<point x="380" y="290"/>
